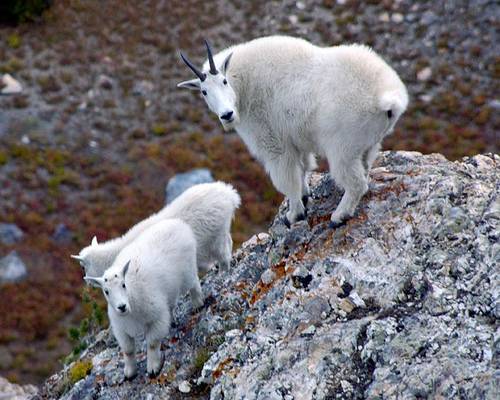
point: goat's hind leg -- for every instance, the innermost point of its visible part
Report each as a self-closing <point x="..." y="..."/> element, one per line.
<point x="350" y="174"/>
<point x="308" y="164"/>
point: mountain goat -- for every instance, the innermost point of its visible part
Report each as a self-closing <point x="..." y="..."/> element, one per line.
<point x="290" y="100"/>
<point x="143" y="285"/>
<point x="207" y="208"/>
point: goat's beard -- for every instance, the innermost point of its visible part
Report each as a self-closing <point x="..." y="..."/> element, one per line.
<point x="228" y="126"/>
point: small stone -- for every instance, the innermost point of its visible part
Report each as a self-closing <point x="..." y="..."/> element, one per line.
<point x="12" y="268"/>
<point x="384" y="17"/>
<point x="300" y="5"/>
<point x="347" y="305"/>
<point x="293" y="19"/>
<point x="62" y="234"/>
<point x="426" y="98"/>
<point x="356" y="300"/>
<point x="180" y="182"/>
<point x="424" y="74"/>
<point x="397" y="18"/>
<point x="184" y="387"/>
<point x="309" y="331"/>
<point x="142" y="88"/>
<point x="10" y="233"/>
<point x="10" y="85"/>
<point x="267" y="277"/>
<point x="105" y="82"/>
<point x="25" y="139"/>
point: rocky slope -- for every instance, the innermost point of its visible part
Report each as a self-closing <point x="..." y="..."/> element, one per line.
<point x="402" y="301"/>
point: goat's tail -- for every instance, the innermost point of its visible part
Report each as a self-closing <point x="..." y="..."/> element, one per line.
<point x="394" y="103"/>
<point x="232" y="194"/>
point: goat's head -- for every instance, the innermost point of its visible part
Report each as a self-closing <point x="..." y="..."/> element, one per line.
<point x="215" y="88"/>
<point x="85" y="258"/>
<point x="113" y="286"/>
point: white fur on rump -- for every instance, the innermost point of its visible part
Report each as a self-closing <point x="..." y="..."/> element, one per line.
<point x="208" y="208"/>
<point x="289" y="99"/>
<point x="143" y="285"/>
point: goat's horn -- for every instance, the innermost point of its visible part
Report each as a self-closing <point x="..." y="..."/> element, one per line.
<point x="79" y="258"/>
<point x="197" y="72"/>
<point x="213" y="69"/>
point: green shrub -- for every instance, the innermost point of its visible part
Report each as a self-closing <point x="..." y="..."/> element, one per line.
<point x="79" y="370"/>
<point x="15" y="11"/>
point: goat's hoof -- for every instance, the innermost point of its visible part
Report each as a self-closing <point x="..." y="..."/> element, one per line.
<point x="209" y="300"/>
<point x="301" y="216"/>
<point x="130" y="377"/>
<point x="155" y="372"/>
<point x="286" y="222"/>
<point x="337" y="224"/>
<point x="305" y="200"/>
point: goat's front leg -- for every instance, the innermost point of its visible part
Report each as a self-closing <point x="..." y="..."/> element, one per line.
<point x="287" y="175"/>
<point x="127" y="345"/>
<point x="350" y="174"/>
<point x="154" y="334"/>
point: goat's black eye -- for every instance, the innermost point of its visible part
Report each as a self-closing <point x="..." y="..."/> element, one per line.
<point x="106" y="291"/>
<point x="224" y="82"/>
<point x="204" y="92"/>
<point x="123" y="285"/>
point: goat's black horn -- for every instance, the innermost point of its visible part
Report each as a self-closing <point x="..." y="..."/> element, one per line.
<point x="213" y="69"/>
<point x="198" y="73"/>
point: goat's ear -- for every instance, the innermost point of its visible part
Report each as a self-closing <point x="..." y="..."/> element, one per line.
<point x="94" y="281"/>
<point x="94" y="241"/>
<point x="125" y="268"/>
<point x="225" y="64"/>
<point x="193" y="84"/>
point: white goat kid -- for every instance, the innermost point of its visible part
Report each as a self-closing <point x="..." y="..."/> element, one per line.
<point x="143" y="285"/>
<point x="208" y="208"/>
<point x="289" y="99"/>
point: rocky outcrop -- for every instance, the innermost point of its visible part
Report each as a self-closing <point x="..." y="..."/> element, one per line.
<point x="11" y="391"/>
<point x="400" y="302"/>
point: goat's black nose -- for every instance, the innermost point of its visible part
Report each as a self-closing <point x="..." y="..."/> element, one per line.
<point x="227" y="116"/>
<point x="122" y="307"/>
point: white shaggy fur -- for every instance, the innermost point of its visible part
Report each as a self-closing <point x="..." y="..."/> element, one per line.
<point x="143" y="285"/>
<point x="289" y="99"/>
<point x="207" y="208"/>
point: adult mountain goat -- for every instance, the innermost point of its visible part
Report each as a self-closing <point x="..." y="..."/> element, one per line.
<point x="289" y="100"/>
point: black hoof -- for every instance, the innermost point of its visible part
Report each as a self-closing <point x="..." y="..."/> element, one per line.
<point x="305" y="200"/>
<point x="129" y="378"/>
<point x="334" y="225"/>
<point x="209" y="300"/>
<point x="286" y="222"/>
<point x="301" y="217"/>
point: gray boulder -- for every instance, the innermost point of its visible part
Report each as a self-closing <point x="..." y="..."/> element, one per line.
<point x="12" y="268"/>
<point x="400" y="302"/>
<point x="62" y="234"/>
<point x="11" y="391"/>
<point x="10" y="233"/>
<point x="180" y="182"/>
